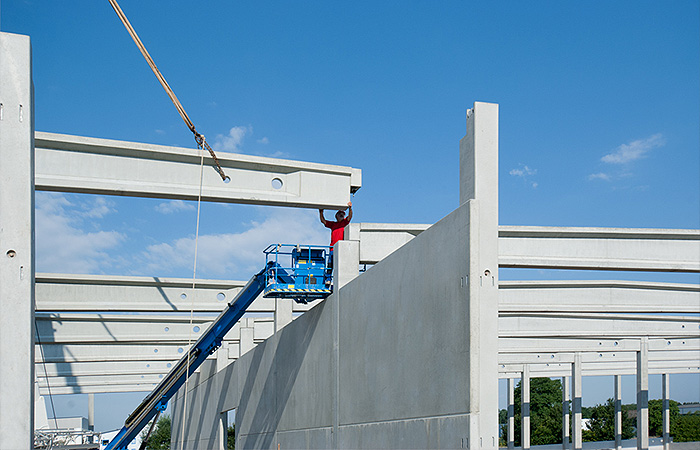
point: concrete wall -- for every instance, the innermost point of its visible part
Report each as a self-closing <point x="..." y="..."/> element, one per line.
<point x="345" y="375"/>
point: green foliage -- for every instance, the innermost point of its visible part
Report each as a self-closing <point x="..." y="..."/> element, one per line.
<point x="545" y="412"/>
<point x="686" y="428"/>
<point x="231" y="437"/>
<point x="656" y="421"/>
<point x="601" y="426"/>
<point x="160" y="437"/>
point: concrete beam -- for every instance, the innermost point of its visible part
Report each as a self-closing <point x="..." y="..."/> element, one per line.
<point x="595" y="325"/>
<point x="16" y="242"/>
<point x="68" y="292"/>
<point x="558" y="247"/>
<point x="101" y="166"/>
<point x="114" y="389"/>
<point x="599" y="296"/>
<point x="602" y="343"/>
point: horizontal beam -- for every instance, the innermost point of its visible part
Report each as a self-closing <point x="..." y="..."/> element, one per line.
<point x="68" y="292"/>
<point x="564" y="370"/>
<point x="600" y="296"/>
<point x="111" y="389"/>
<point x="143" y="329"/>
<point x="100" y="166"/>
<point x="598" y="357"/>
<point x="596" y="325"/>
<point x="553" y="345"/>
<point x="641" y="249"/>
<point x="599" y="248"/>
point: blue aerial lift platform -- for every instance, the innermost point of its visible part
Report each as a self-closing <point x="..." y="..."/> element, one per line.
<point x="305" y="276"/>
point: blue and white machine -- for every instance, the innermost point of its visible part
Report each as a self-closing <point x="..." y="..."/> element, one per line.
<point x="302" y="273"/>
<point x="305" y="276"/>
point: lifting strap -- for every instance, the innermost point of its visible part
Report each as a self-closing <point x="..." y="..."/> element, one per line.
<point x="199" y="138"/>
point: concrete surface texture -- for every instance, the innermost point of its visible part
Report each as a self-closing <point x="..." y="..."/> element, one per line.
<point x="346" y="373"/>
<point x="16" y="243"/>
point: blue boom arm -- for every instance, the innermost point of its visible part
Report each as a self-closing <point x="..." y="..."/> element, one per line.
<point x="207" y="344"/>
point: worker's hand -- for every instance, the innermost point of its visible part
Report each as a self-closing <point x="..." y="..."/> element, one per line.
<point x="349" y="204"/>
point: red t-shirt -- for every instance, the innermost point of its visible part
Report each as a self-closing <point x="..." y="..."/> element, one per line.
<point x="337" y="230"/>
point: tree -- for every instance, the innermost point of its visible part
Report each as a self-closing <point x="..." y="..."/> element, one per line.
<point x="656" y="421"/>
<point x="686" y="428"/>
<point x="231" y="437"/>
<point x="160" y="437"/>
<point x="601" y="426"/>
<point x="545" y="412"/>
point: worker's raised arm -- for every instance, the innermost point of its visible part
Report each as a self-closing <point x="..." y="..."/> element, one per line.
<point x="349" y="211"/>
<point x="320" y="215"/>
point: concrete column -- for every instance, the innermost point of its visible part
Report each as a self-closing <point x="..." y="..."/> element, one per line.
<point x="222" y="359"/>
<point x="565" y="418"/>
<point x="666" y="412"/>
<point x="247" y="335"/>
<point x="91" y="412"/>
<point x="16" y="243"/>
<point x="283" y="312"/>
<point x="643" y="395"/>
<point x="478" y="160"/>
<point x="346" y="263"/>
<point x="618" y="412"/>
<point x="223" y="430"/>
<point x="525" y="408"/>
<point x="511" y="413"/>
<point x="577" y="434"/>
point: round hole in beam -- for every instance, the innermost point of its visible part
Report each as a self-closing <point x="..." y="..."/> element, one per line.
<point x="220" y="296"/>
<point x="195" y="329"/>
<point x="277" y="183"/>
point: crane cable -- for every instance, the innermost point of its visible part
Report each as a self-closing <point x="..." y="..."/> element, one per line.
<point x="199" y="138"/>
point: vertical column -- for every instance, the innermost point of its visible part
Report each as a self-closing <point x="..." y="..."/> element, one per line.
<point x="666" y="412"/>
<point x="576" y="431"/>
<point x="283" y="312"/>
<point x="91" y="412"/>
<point x="247" y="335"/>
<point x="478" y="160"/>
<point x="618" y="412"/>
<point x="525" y="408"/>
<point x="222" y="434"/>
<point x="222" y="359"/>
<point x="643" y="395"/>
<point x="565" y="418"/>
<point x="346" y="263"/>
<point x="16" y="243"/>
<point x="511" y="413"/>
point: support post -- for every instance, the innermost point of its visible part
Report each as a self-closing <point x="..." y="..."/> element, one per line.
<point x="247" y="335"/>
<point x="618" y="412"/>
<point x="511" y="413"/>
<point x="666" y="412"/>
<point x="478" y="160"/>
<point x="565" y="416"/>
<point x="577" y="432"/>
<point x="283" y="312"/>
<point x="16" y="243"/>
<point x="643" y="395"/>
<point x="346" y="263"/>
<point x="91" y="412"/>
<point x="525" y="408"/>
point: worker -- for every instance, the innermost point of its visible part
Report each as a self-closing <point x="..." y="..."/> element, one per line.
<point x="337" y="227"/>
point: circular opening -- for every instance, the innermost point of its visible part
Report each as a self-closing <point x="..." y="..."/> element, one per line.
<point x="276" y="183"/>
<point x="183" y="296"/>
<point x="11" y="253"/>
<point x="148" y="365"/>
<point x="227" y="180"/>
<point x="168" y="365"/>
<point x="196" y="329"/>
<point x="160" y="376"/>
<point x="167" y="329"/>
<point x="155" y="350"/>
<point x="221" y="296"/>
<point x="180" y="350"/>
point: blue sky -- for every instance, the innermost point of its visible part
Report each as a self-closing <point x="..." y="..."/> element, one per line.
<point x="599" y="113"/>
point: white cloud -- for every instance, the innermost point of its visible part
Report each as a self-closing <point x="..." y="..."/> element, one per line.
<point x="174" y="206"/>
<point x="61" y="245"/>
<point x="599" y="176"/>
<point x="236" y="255"/>
<point x="525" y="173"/>
<point x="635" y="150"/>
<point x="264" y="140"/>
<point x="233" y="140"/>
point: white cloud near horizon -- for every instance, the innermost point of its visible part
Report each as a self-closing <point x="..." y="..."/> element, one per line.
<point x="235" y="255"/>
<point x="232" y="141"/>
<point x="599" y="176"/>
<point x="61" y="243"/>
<point x="634" y="150"/>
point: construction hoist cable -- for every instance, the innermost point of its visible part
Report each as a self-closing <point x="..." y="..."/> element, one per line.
<point x="199" y="138"/>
